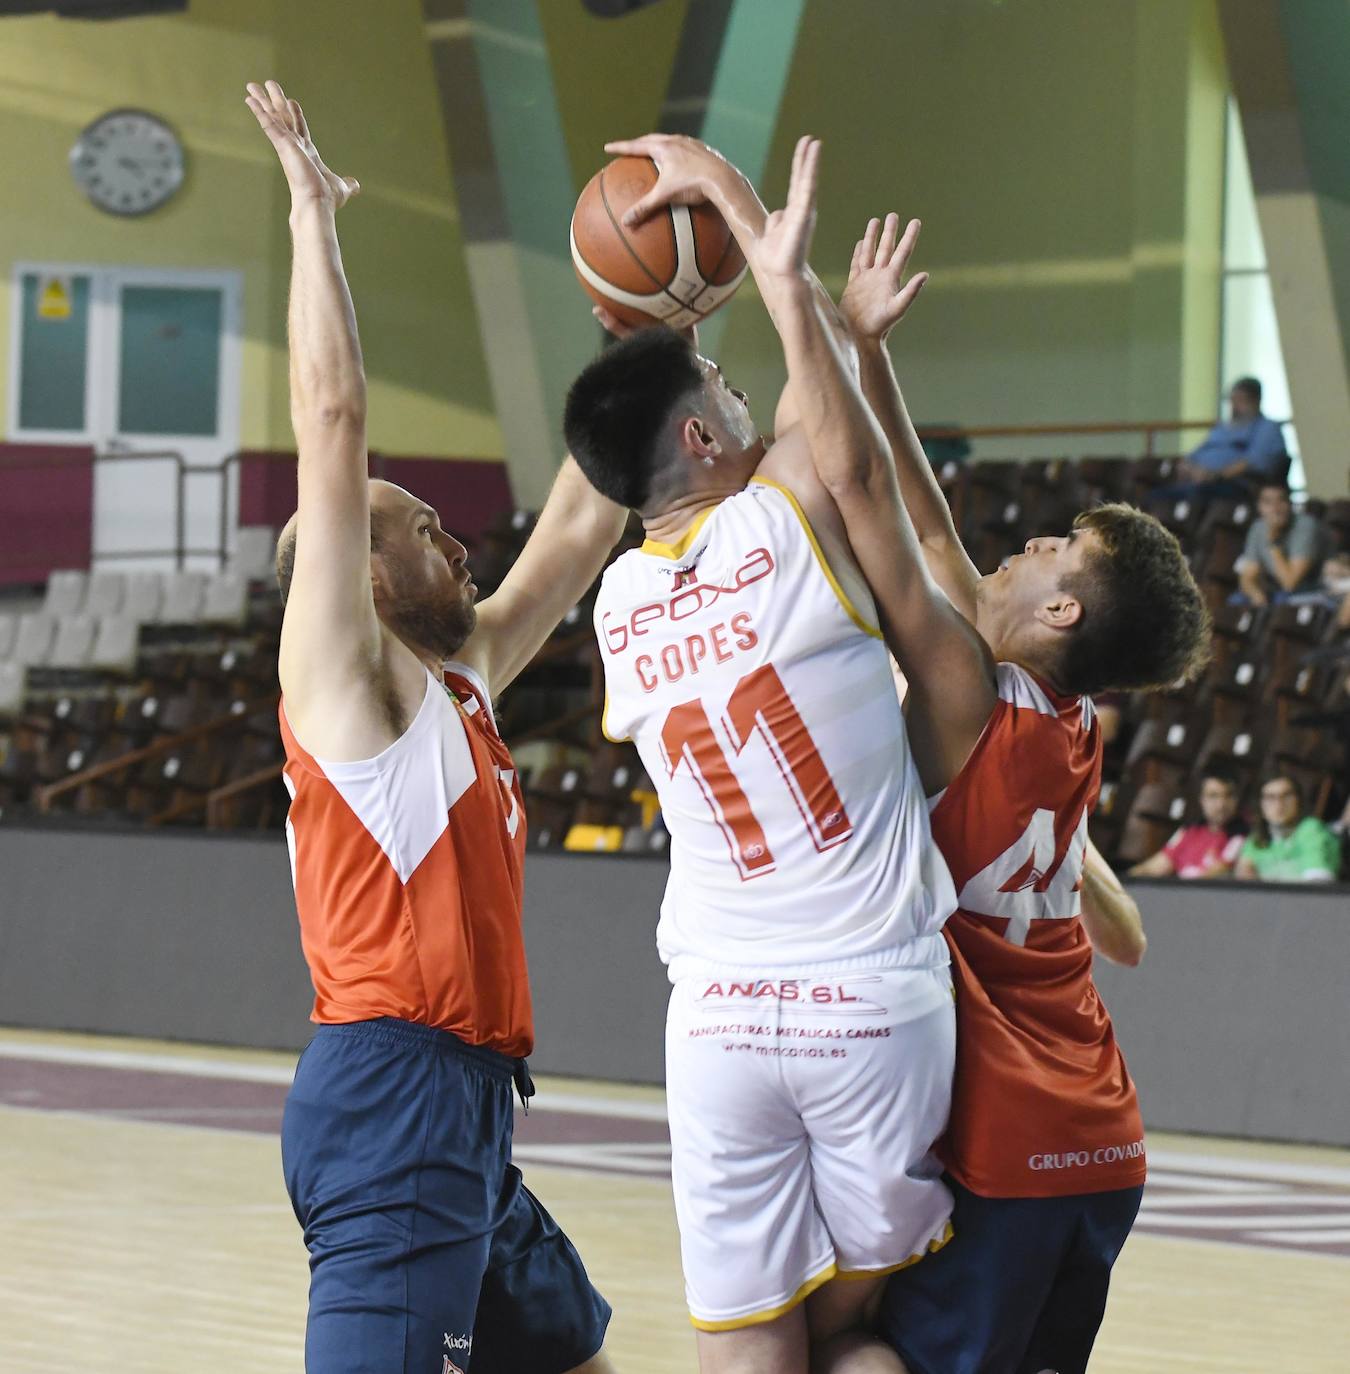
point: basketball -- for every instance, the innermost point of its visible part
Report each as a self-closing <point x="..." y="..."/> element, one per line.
<point x="675" y="268"/>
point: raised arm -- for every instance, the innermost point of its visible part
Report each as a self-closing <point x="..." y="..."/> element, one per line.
<point x="576" y="532"/>
<point x="330" y="637"/>
<point x="874" y="301"/>
<point x="948" y="666"/>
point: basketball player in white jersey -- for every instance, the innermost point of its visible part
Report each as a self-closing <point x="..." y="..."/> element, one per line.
<point x="809" y="1041"/>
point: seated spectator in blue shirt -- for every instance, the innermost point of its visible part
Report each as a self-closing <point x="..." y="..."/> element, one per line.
<point x="1249" y="445"/>
<point x="1283" y="557"/>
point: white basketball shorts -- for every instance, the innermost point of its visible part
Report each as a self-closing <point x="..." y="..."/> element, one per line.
<point x="802" y="1116"/>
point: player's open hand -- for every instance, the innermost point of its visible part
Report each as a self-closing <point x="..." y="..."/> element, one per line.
<point x="877" y="295"/>
<point x="686" y="170"/>
<point x="283" y="121"/>
<point x="780" y="250"/>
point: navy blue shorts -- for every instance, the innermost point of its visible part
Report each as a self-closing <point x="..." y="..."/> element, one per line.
<point x="1020" y="1288"/>
<point x="427" y="1252"/>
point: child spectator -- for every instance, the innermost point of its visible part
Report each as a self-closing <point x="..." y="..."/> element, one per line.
<point x="1208" y="849"/>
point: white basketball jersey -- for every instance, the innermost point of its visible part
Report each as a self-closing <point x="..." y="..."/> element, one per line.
<point x="762" y="704"/>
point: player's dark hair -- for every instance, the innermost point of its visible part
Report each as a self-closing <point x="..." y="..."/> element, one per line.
<point x="618" y="406"/>
<point x="1275" y="484"/>
<point x="1252" y="388"/>
<point x="286" y="552"/>
<point x="1144" y="625"/>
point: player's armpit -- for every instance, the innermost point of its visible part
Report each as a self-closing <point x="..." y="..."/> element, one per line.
<point x="577" y="530"/>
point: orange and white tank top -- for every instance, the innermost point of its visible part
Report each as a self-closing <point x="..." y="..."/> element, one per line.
<point x="762" y="704"/>
<point x="408" y="871"/>
<point x="1043" y="1104"/>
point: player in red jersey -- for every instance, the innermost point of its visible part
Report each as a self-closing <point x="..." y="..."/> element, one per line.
<point x="407" y="840"/>
<point x="1044" y="1150"/>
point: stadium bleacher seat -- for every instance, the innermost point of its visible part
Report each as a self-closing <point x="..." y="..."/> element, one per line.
<point x="65" y="593"/>
<point x="144" y="596"/>
<point x="254" y="555"/>
<point x="106" y="592"/>
<point x="33" y="642"/>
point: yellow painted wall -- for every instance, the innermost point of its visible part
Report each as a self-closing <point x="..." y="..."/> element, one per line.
<point x="1064" y="155"/>
<point x="362" y="70"/>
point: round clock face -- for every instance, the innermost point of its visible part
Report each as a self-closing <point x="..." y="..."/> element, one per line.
<point x="128" y="162"/>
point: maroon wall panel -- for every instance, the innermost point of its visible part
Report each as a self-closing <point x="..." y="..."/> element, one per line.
<point x="46" y="509"/>
<point x="468" y="493"/>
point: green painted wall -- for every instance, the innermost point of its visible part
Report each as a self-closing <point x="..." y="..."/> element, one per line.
<point x="1054" y="150"/>
<point x="366" y="85"/>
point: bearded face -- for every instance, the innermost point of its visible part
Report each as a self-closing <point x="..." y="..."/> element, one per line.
<point x="425" y="603"/>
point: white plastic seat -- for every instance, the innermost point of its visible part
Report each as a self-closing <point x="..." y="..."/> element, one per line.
<point x="183" y="598"/>
<point x="117" y="645"/>
<point x="255" y="553"/>
<point x="33" y="642"/>
<point x="144" y="597"/>
<point x="13" y="678"/>
<point x="73" y="641"/>
<point x="65" y="592"/>
<point x="106" y="592"/>
<point x="226" y="600"/>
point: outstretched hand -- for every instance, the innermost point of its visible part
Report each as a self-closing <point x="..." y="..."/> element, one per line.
<point x="685" y="171"/>
<point x="877" y="295"/>
<point x="781" y="248"/>
<point x="283" y="121"/>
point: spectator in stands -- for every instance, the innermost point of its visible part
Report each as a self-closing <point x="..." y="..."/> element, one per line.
<point x="1250" y="446"/>
<point x="1286" y="846"/>
<point x="1208" y="849"/>
<point x="1283" y="557"/>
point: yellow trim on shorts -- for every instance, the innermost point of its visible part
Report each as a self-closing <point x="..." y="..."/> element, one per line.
<point x="934" y="1246"/>
<point x="850" y="609"/>
<point x="758" y="1318"/>
<point x="680" y="547"/>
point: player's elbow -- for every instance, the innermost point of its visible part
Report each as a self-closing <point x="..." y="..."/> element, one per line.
<point x="331" y="412"/>
<point x="1133" y="949"/>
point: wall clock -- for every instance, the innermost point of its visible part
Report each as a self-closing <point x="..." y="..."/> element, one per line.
<point x="128" y="162"/>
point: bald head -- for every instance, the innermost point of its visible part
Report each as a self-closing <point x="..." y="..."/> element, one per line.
<point x="419" y="577"/>
<point x="386" y="500"/>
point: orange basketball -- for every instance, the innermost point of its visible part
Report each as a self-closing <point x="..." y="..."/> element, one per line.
<point x="675" y="268"/>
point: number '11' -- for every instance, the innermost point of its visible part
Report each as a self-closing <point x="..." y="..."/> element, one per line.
<point x="760" y="702"/>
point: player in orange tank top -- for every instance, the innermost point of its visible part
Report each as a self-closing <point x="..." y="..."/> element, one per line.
<point x="406" y="833"/>
<point x="1044" y="1150"/>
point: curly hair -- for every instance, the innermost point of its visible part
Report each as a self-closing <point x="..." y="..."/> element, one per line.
<point x="1144" y="626"/>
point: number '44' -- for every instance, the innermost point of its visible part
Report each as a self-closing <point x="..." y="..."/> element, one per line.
<point x="1030" y="880"/>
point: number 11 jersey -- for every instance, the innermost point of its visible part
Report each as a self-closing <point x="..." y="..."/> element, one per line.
<point x="762" y="703"/>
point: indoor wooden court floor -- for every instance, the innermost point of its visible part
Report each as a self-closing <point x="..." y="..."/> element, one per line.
<point x="144" y="1228"/>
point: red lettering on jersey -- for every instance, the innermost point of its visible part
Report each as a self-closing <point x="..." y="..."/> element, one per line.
<point x="695" y="648"/>
<point x="643" y="666"/>
<point x="746" y="638"/>
<point x="718" y="634"/>
<point x="672" y="665"/>
<point x="690" y="597"/>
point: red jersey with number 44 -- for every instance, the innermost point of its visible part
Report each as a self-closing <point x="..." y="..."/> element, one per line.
<point x="1043" y="1105"/>
<point x="409" y="874"/>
